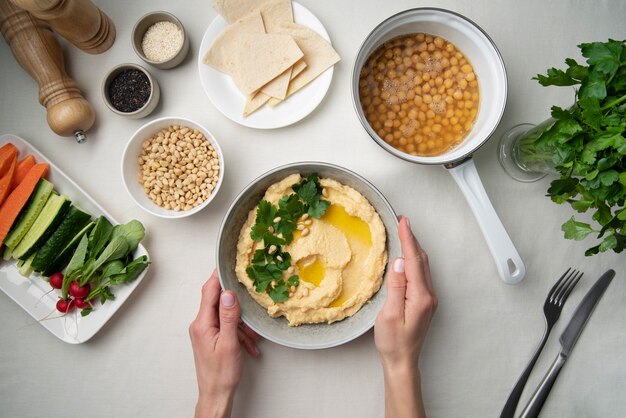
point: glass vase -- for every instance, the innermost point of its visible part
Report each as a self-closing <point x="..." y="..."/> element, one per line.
<point x="519" y="156"/>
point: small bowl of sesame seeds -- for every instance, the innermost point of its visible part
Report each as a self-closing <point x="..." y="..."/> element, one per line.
<point x="172" y="167"/>
<point x="159" y="39"/>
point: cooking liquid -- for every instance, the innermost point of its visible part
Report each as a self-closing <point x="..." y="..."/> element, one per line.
<point x="359" y="237"/>
<point x="419" y="93"/>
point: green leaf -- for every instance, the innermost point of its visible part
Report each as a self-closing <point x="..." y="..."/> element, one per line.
<point x="591" y="113"/>
<point x="318" y="209"/>
<point x="562" y="186"/>
<point x="279" y="292"/>
<point x="593" y="87"/>
<point x="581" y="205"/>
<point x="609" y="243"/>
<point x="555" y="77"/>
<point x="293" y="280"/>
<point x="608" y="177"/>
<point x="621" y="215"/>
<point x="308" y="192"/>
<point x="78" y="258"/>
<point x="576" y="230"/>
<point x="112" y="267"/>
<point x="270" y="239"/>
<point x="99" y="236"/>
<point x="132" y="231"/>
<point x="604" y="56"/>
<point x="575" y="70"/>
<point x="131" y="271"/>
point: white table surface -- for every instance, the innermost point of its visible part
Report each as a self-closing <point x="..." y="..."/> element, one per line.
<point x="140" y="363"/>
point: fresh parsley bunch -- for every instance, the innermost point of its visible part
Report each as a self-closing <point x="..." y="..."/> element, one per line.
<point x="275" y="225"/>
<point x="587" y="143"/>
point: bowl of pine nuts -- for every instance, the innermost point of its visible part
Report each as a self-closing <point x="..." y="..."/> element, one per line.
<point x="172" y="167"/>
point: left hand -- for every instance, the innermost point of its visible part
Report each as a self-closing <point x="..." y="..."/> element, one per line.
<point x="217" y="337"/>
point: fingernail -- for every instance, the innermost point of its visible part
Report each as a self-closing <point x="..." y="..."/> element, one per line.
<point x="227" y="300"/>
<point x="398" y="265"/>
<point x="408" y="223"/>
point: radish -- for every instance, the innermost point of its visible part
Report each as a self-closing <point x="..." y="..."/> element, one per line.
<point x="81" y="304"/>
<point x="65" y="305"/>
<point x="79" y="291"/>
<point x="56" y="280"/>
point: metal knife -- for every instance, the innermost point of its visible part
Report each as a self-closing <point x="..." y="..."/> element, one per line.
<point x="568" y="340"/>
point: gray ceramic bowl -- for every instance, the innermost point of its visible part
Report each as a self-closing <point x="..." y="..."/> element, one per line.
<point x="153" y="100"/>
<point x="142" y="26"/>
<point x="311" y="336"/>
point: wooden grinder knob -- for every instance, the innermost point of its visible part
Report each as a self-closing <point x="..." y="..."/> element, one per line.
<point x="79" y="21"/>
<point x="39" y="53"/>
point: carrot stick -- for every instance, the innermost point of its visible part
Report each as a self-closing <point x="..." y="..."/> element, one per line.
<point x="6" y="180"/>
<point x="18" y="198"/>
<point x="23" y="167"/>
<point x="7" y="153"/>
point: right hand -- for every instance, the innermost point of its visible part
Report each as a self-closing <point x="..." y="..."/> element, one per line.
<point x="402" y="324"/>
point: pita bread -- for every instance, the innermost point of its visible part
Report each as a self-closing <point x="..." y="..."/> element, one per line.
<point x="255" y="102"/>
<point x="275" y="13"/>
<point x="233" y="10"/>
<point x="222" y="54"/>
<point x="263" y="57"/>
<point x="258" y="99"/>
<point x="298" y="67"/>
<point x="318" y="54"/>
<point x="278" y="86"/>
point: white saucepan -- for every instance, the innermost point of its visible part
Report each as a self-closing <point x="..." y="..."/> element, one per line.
<point x="491" y="74"/>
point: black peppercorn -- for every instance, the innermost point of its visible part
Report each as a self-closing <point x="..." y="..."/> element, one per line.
<point x="129" y="90"/>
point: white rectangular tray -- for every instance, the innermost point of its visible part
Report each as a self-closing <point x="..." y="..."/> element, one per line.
<point x="33" y="293"/>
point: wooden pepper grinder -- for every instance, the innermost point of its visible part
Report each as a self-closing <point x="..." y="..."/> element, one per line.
<point x="79" y="21"/>
<point x="39" y="53"/>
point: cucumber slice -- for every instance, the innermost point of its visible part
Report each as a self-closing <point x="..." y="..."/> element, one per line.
<point x="7" y="253"/>
<point x="50" y="217"/>
<point x="26" y="268"/>
<point x="58" y="250"/>
<point x="31" y="212"/>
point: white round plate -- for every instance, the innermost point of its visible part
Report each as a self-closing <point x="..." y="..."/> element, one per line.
<point x="227" y="98"/>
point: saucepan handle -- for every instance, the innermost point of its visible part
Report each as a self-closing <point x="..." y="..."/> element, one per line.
<point x="509" y="263"/>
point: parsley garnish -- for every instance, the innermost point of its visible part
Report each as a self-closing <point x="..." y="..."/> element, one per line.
<point x="588" y="145"/>
<point x="275" y="225"/>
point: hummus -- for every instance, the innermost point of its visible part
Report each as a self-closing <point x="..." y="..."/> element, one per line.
<point x="340" y="261"/>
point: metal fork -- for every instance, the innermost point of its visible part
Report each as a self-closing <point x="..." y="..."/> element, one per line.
<point x="552" y="308"/>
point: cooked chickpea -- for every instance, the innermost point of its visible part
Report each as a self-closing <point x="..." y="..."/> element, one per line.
<point x="419" y="93"/>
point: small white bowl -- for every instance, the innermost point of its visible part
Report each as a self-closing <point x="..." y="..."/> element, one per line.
<point x="130" y="166"/>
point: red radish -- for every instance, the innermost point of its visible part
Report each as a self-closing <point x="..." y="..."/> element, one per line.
<point x="65" y="305"/>
<point x="81" y="304"/>
<point x="56" y="280"/>
<point x="79" y="291"/>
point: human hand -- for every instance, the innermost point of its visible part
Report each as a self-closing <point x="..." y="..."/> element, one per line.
<point x="402" y="325"/>
<point x="217" y="337"/>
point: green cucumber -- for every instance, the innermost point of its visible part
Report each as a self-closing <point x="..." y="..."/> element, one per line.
<point x="33" y="208"/>
<point x="26" y="268"/>
<point x="60" y="255"/>
<point x="73" y="222"/>
<point x="46" y="223"/>
<point x="7" y="253"/>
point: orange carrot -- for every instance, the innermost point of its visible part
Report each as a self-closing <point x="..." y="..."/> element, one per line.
<point x="23" y="167"/>
<point x="18" y="198"/>
<point x="6" y="180"/>
<point x="7" y="153"/>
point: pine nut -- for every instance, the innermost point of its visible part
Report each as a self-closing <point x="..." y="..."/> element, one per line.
<point x="178" y="167"/>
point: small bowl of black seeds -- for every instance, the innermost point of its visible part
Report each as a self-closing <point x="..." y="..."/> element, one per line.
<point x="129" y="90"/>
